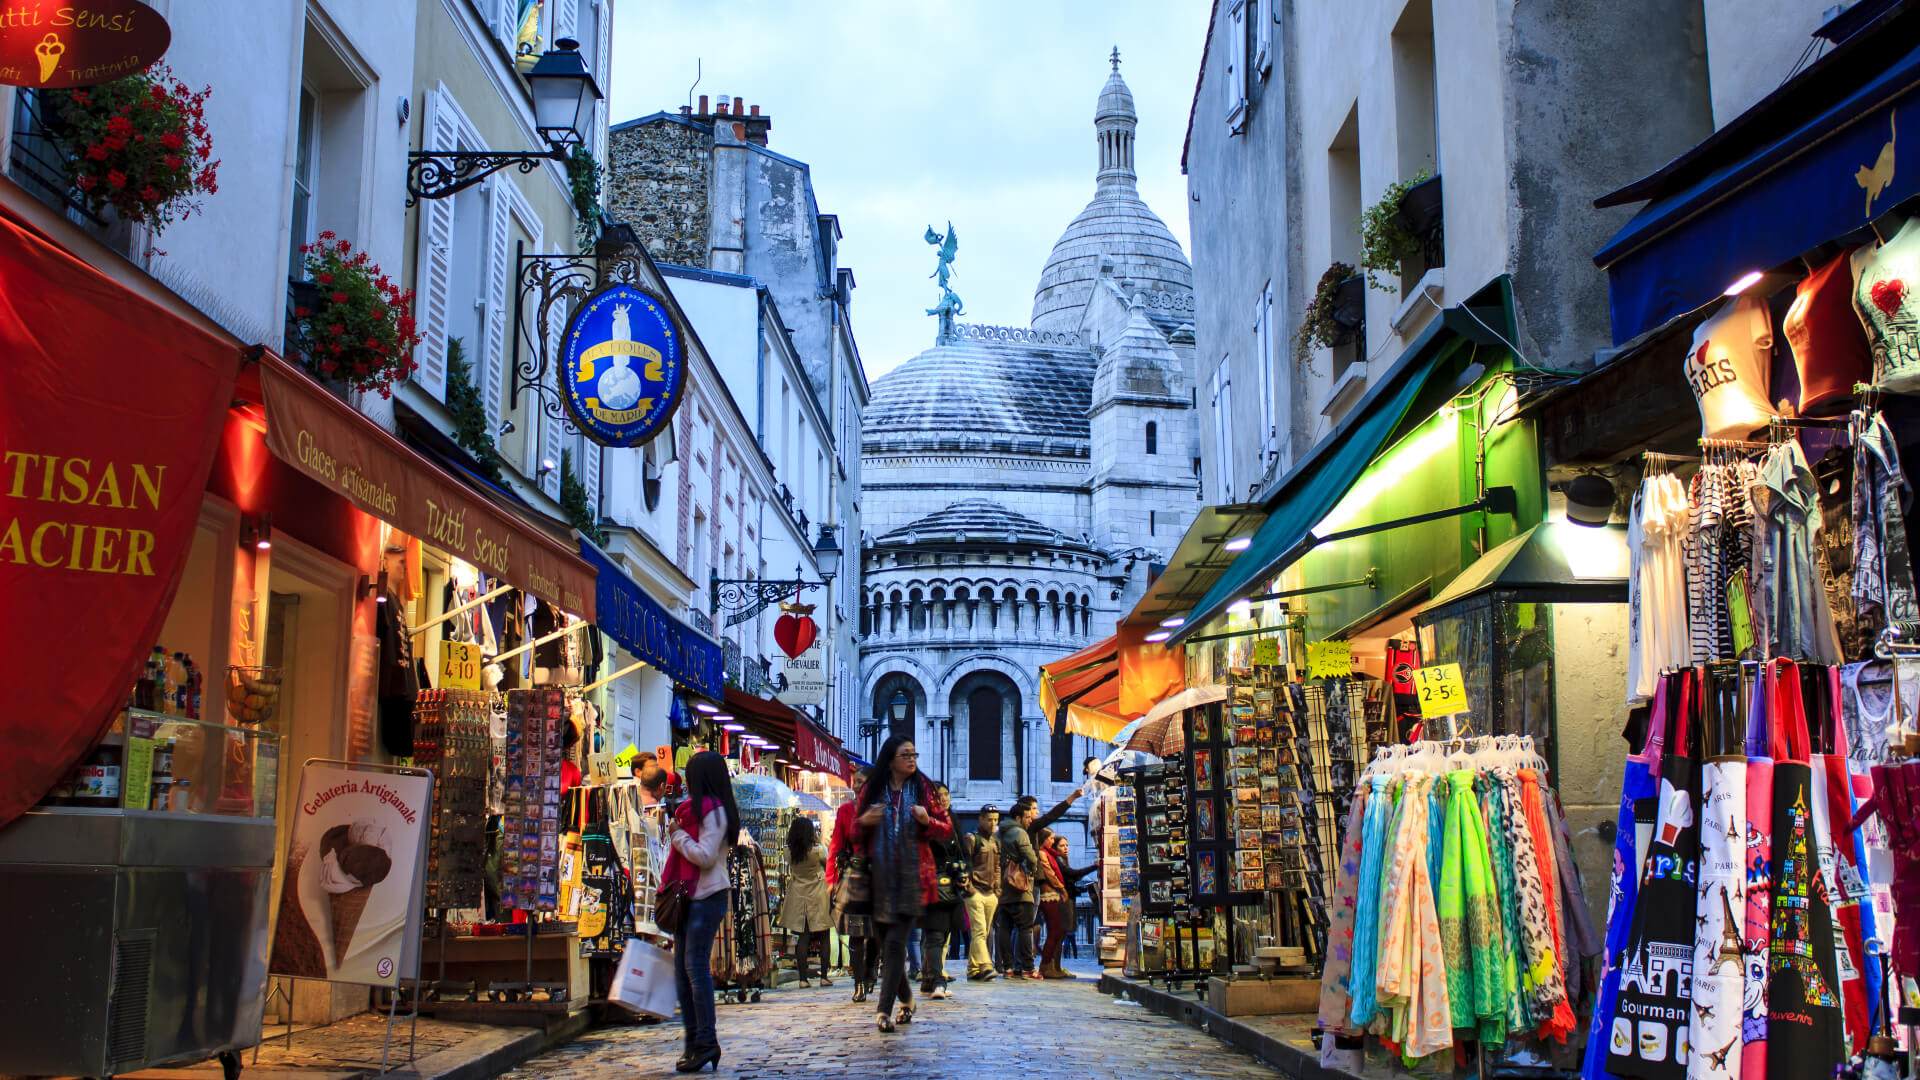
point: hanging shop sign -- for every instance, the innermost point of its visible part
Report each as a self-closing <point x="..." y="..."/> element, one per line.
<point x="805" y="676"/>
<point x="643" y="628"/>
<point x="459" y="665"/>
<point x="351" y="908"/>
<point x="56" y="44"/>
<point x="622" y="366"/>
<point x="328" y="440"/>
<point x="816" y="750"/>
<point x="1266" y="652"/>
<point x="103" y="469"/>
<point x="795" y="631"/>
<point x="1442" y="691"/>
<point x="1329" y="659"/>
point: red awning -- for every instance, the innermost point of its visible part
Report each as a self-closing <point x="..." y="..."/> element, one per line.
<point x="815" y="749"/>
<point x="768" y="719"/>
<point x="109" y="423"/>
<point x="336" y="445"/>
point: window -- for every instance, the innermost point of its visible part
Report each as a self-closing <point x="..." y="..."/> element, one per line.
<point x="1234" y="83"/>
<point x="1153" y="523"/>
<point x="1223" y="427"/>
<point x="983" y="734"/>
<point x="1062" y="770"/>
<point x="301" y="221"/>
<point x="1264" y="13"/>
<point x="1263" y="363"/>
<point x="697" y="556"/>
<point x="1153" y="437"/>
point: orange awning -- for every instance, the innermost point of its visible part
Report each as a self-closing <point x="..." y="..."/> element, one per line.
<point x="1080" y="693"/>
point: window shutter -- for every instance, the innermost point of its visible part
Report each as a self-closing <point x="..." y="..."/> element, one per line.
<point x="566" y="20"/>
<point x="549" y="426"/>
<point x="495" y="361"/>
<point x="602" y="72"/>
<point x="1263" y="12"/>
<point x="589" y="465"/>
<point x="433" y="267"/>
<point x="506" y="22"/>
<point x="1263" y="329"/>
<point x="1235" y="84"/>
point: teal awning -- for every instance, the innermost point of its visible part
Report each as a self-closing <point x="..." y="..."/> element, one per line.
<point x="1308" y="493"/>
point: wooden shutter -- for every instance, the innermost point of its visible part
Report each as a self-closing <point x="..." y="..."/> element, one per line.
<point x="550" y="427"/>
<point x="433" y="265"/>
<point x="589" y="465"/>
<point x="603" y="77"/>
<point x="493" y="363"/>
<point x="1263" y="13"/>
<point x="566" y="20"/>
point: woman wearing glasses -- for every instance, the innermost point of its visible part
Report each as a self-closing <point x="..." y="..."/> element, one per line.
<point x="898" y="818"/>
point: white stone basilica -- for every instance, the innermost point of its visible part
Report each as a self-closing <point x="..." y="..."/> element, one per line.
<point x="1017" y="485"/>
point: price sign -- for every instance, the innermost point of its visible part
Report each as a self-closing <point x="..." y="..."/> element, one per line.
<point x="1266" y="652"/>
<point x="1329" y="659"/>
<point x="1442" y="691"/>
<point x="624" y="759"/>
<point x="459" y="665"/>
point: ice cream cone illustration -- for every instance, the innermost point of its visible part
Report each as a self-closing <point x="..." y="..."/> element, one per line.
<point x="356" y="861"/>
<point x="347" y="907"/>
<point x="50" y="50"/>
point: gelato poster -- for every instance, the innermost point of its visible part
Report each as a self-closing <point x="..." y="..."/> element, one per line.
<point x="350" y="902"/>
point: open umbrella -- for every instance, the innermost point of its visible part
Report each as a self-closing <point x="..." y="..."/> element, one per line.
<point x="758" y="790"/>
<point x="1160" y="731"/>
<point x="1109" y="770"/>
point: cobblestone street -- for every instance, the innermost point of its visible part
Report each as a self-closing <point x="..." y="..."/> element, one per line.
<point x="1028" y="1031"/>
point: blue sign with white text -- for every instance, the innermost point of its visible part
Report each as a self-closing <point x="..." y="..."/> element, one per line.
<point x="622" y="366"/>
<point x="642" y="627"/>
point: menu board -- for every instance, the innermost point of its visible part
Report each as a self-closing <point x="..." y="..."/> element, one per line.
<point x="530" y="848"/>
<point x="1151" y="824"/>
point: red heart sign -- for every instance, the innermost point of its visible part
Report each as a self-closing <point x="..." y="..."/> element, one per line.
<point x="1886" y="296"/>
<point x="794" y="634"/>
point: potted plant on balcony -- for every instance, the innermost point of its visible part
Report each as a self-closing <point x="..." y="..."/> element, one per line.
<point x="137" y="146"/>
<point x="1391" y="230"/>
<point x="361" y="331"/>
<point x="1328" y="320"/>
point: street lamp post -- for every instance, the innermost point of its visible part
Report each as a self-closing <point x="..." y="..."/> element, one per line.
<point x="740" y="599"/>
<point x="564" y="94"/>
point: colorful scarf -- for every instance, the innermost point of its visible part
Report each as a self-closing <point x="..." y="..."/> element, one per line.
<point x="896" y="859"/>
<point x="1470" y="918"/>
<point x="1337" y="976"/>
<point x="1367" y="910"/>
<point x="1411" y="977"/>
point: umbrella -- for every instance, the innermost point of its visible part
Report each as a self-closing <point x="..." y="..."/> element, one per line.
<point x="1160" y="731"/>
<point x="1109" y="770"/>
<point x="758" y="790"/>
<point x="809" y="801"/>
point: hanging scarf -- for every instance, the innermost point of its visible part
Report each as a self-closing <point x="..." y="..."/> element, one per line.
<point x="1559" y="1021"/>
<point x="1337" y="975"/>
<point x="896" y="859"/>
<point x="1470" y="917"/>
<point x="1412" y="980"/>
<point x="1536" y="927"/>
<point x="1500" y="855"/>
<point x="1367" y="909"/>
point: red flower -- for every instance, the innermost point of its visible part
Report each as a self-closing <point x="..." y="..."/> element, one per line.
<point x="172" y="140"/>
<point x="116" y="178"/>
<point x="149" y="194"/>
<point x="301" y="313"/>
<point x="96" y="152"/>
<point x="336" y="330"/>
<point x="324" y="279"/>
<point x="339" y="298"/>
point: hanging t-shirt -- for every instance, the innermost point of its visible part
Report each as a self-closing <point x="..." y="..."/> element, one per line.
<point x="1829" y="344"/>
<point x="1888" y="275"/>
<point x="1727" y="369"/>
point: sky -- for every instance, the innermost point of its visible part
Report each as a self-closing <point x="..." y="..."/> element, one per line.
<point x="914" y="112"/>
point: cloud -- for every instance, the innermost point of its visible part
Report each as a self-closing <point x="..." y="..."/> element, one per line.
<point x="915" y="112"/>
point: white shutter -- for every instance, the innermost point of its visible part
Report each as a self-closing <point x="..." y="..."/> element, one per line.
<point x="589" y="466"/>
<point x="549" y="427"/>
<point x="1235" y="83"/>
<point x="495" y="360"/>
<point x="506" y="22"/>
<point x="1263" y="336"/>
<point x="566" y="20"/>
<point x="603" y="76"/>
<point x="433" y="264"/>
<point x="1263" y="12"/>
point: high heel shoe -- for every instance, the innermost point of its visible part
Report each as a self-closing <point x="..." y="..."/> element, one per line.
<point x="859" y="992"/>
<point x="702" y="1057"/>
<point x="883" y="1022"/>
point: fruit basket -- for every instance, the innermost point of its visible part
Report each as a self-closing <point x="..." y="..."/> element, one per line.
<point x="253" y="694"/>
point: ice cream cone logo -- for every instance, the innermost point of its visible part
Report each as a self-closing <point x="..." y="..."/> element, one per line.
<point x="50" y="50"/>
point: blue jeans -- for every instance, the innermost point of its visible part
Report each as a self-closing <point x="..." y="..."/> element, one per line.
<point x="693" y="967"/>
<point x="913" y="950"/>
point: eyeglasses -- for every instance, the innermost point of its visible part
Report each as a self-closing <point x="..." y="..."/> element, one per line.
<point x="908" y="754"/>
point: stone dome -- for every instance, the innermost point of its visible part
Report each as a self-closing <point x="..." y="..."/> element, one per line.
<point x="1116" y="225"/>
<point x="980" y="393"/>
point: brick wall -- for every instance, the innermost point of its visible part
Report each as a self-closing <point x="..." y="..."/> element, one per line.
<point x="658" y="179"/>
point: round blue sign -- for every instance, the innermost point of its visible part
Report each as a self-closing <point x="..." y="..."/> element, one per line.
<point x="622" y="366"/>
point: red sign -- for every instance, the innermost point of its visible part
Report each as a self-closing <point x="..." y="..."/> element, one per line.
<point x="53" y="44"/>
<point x="794" y="633"/>
<point x="818" y="751"/>
<point x="108" y="426"/>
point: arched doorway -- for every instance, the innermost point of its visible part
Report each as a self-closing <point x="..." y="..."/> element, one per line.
<point x="986" y="713"/>
<point x="898" y="703"/>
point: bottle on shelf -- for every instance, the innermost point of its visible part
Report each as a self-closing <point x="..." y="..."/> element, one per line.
<point x="147" y="691"/>
<point x="192" y="711"/>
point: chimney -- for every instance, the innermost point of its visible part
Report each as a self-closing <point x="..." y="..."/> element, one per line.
<point x="739" y="107"/>
<point x="722" y="101"/>
<point x="755" y="126"/>
<point x="703" y="105"/>
<point x="686" y="110"/>
<point x="754" y="111"/>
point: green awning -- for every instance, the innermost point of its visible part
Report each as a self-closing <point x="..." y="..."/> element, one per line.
<point x="1308" y="493"/>
<point x="1553" y="562"/>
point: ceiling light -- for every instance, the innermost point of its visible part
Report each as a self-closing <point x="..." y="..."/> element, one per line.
<point x="1238" y="543"/>
<point x="734" y="727"/>
<point x="1589" y="500"/>
<point x="1241" y="608"/>
<point x="1159" y="635"/>
<point x="723" y="716"/>
<point x="1174" y="623"/>
<point x="1747" y="281"/>
<point x="705" y="708"/>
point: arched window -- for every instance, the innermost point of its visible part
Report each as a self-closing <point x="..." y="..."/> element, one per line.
<point x="983" y="734"/>
<point x="1153" y="437"/>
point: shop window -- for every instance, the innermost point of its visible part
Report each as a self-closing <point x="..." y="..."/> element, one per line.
<point x="984" y="730"/>
<point x="1153" y="437"/>
<point x="1062" y="758"/>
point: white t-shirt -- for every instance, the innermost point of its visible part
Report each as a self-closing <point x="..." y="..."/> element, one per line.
<point x="1727" y="368"/>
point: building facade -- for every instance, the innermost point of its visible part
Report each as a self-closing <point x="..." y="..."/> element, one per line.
<point x="737" y="230"/>
<point x="1019" y="483"/>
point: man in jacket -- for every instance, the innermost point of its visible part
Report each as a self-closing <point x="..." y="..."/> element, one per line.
<point x="1015" y="917"/>
<point x="982" y="850"/>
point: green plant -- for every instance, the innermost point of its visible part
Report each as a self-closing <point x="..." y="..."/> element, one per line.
<point x="583" y="179"/>
<point x="573" y="500"/>
<point x="1384" y="241"/>
<point x="470" y="427"/>
<point x="1317" y="328"/>
<point x="361" y="329"/>
<point x="139" y="145"/>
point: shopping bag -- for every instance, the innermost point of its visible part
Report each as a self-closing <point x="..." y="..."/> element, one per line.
<point x="573" y="854"/>
<point x="644" y="983"/>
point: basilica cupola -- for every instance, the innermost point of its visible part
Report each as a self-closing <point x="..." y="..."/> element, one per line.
<point x="1113" y="124"/>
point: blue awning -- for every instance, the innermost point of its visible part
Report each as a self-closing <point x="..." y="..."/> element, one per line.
<point x="1813" y="162"/>
<point x="642" y="627"/>
<point x="1309" y="492"/>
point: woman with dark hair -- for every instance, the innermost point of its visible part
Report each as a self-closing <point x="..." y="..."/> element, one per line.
<point x="943" y="915"/>
<point x="704" y="829"/>
<point x="803" y="911"/>
<point x="1055" y="891"/>
<point x="899" y="818"/>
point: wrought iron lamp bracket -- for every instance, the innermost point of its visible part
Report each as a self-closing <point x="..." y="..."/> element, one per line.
<point x="742" y="598"/>
<point x="437" y="174"/>
<point x="552" y="286"/>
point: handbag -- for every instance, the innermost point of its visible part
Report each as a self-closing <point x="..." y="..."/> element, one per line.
<point x="675" y="894"/>
<point x="644" y="983"/>
<point x="854" y="884"/>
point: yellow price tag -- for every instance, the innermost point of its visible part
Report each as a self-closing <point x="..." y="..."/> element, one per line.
<point x="1266" y="652"/>
<point x="1329" y="659"/>
<point x="1442" y="691"/>
<point x="624" y="758"/>
<point x="459" y="665"/>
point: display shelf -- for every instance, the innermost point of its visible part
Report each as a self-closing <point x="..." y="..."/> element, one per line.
<point x="176" y="765"/>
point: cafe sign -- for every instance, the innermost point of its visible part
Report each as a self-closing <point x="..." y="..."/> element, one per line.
<point x="57" y="44"/>
<point x="623" y="366"/>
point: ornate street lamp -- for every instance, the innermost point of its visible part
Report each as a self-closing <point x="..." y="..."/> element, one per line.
<point x="901" y="704"/>
<point x="564" y="94"/>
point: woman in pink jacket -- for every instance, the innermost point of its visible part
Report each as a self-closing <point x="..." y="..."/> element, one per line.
<point x="704" y="830"/>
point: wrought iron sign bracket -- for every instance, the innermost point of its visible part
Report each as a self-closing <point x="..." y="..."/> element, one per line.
<point x="436" y="174"/>
<point x="549" y="288"/>
<point x="740" y="599"/>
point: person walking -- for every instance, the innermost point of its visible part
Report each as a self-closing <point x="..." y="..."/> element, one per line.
<point x="1057" y="902"/>
<point x="943" y="915"/>
<point x="898" y="819"/>
<point x="705" y="828"/>
<point x="805" y="911"/>
<point x="850" y="884"/>
<point x="982" y="852"/>
<point x="1019" y="868"/>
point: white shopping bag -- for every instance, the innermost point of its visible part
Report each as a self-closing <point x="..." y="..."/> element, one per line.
<point x="644" y="982"/>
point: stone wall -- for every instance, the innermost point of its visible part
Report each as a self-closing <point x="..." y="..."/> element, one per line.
<point x="659" y="176"/>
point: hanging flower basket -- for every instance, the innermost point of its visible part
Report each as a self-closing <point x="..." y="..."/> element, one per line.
<point x="361" y="329"/>
<point x="138" y="146"/>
